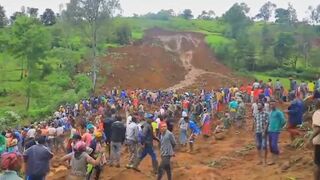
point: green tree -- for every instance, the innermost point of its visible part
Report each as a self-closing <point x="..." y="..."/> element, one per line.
<point x="282" y="16"/>
<point x="3" y="18"/>
<point x="265" y="11"/>
<point x="284" y="47"/>
<point x="165" y="14"/>
<point x="292" y="14"/>
<point x="30" y="41"/>
<point x="48" y="17"/>
<point x="68" y="59"/>
<point x="187" y="14"/>
<point x="237" y="18"/>
<point x="245" y="53"/>
<point x="124" y="34"/>
<point x="286" y="16"/>
<point x="266" y="39"/>
<point x="32" y="12"/>
<point x="207" y="15"/>
<point x="15" y="15"/>
<point x="314" y="14"/>
<point x="91" y="13"/>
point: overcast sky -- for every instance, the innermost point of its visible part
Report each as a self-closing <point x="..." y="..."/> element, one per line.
<point x="143" y="6"/>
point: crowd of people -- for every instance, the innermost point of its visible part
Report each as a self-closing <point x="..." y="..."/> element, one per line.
<point x="92" y="133"/>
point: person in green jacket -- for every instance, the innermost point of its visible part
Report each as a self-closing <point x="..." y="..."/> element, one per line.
<point x="276" y="123"/>
<point x="3" y="142"/>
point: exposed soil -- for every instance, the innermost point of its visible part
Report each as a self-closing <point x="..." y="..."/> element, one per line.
<point x="163" y="60"/>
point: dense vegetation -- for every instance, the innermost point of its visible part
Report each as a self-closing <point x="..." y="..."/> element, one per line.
<point x="40" y="55"/>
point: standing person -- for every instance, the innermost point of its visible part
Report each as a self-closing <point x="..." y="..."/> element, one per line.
<point x="206" y="123"/>
<point x="311" y="86"/>
<point x="107" y="131"/>
<point x="3" y="142"/>
<point x="117" y="139"/>
<point x="12" y="143"/>
<point x="37" y="160"/>
<point x="11" y="163"/>
<point x="195" y="131"/>
<point x="276" y="123"/>
<point x="51" y="136"/>
<point x="96" y="147"/>
<point x="241" y="112"/>
<point x="147" y="146"/>
<point x="315" y="140"/>
<point x="88" y="136"/>
<point x="79" y="160"/>
<point x="261" y="126"/>
<point x="167" y="144"/>
<point x="132" y="135"/>
<point x="295" y="112"/>
<point x="183" y="126"/>
<point x="233" y="106"/>
<point x="60" y="136"/>
<point x="277" y="89"/>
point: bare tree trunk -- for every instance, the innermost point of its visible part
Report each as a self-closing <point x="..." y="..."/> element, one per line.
<point x="22" y="70"/>
<point x="28" y="95"/>
<point x="94" y="56"/>
<point x="28" y="91"/>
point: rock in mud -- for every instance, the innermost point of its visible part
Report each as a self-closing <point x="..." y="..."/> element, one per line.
<point x="220" y="136"/>
<point x="285" y="166"/>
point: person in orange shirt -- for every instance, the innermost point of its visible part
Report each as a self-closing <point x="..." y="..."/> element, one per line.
<point x="44" y="130"/>
<point x="242" y="88"/>
<point x="256" y="93"/>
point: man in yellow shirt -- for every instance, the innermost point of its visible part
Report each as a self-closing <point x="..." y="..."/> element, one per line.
<point x="311" y="86"/>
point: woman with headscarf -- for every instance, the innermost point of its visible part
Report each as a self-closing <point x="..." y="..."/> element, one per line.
<point x="79" y="160"/>
<point x="206" y="123"/>
<point x="10" y="164"/>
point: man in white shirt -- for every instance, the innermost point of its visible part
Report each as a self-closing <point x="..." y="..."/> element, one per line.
<point x="51" y="136"/>
<point x="256" y="84"/>
<point x="132" y="132"/>
<point x="60" y="138"/>
<point x="31" y="132"/>
<point x="315" y="139"/>
<point x="129" y="119"/>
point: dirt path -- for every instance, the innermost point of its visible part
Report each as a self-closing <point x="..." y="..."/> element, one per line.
<point x="183" y="45"/>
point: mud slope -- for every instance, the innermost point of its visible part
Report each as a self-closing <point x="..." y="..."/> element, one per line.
<point x="164" y="60"/>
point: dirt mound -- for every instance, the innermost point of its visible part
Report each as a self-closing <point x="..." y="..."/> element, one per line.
<point x="163" y="60"/>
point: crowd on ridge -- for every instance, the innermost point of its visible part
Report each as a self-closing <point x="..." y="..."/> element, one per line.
<point x="91" y="133"/>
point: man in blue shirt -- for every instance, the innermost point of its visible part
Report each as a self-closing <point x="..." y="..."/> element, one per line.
<point x="295" y="112"/>
<point x="37" y="159"/>
<point x="276" y="123"/>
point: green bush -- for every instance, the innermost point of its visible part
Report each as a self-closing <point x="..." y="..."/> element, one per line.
<point x="59" y="79"/>
<point x="298" y="73"/>
<point x="37" y="113"/>
<point x="82" y="82"/>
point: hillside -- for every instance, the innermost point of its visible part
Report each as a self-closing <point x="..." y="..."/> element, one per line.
<point x="165" y="60"/>
<point x="218" y="52"/>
